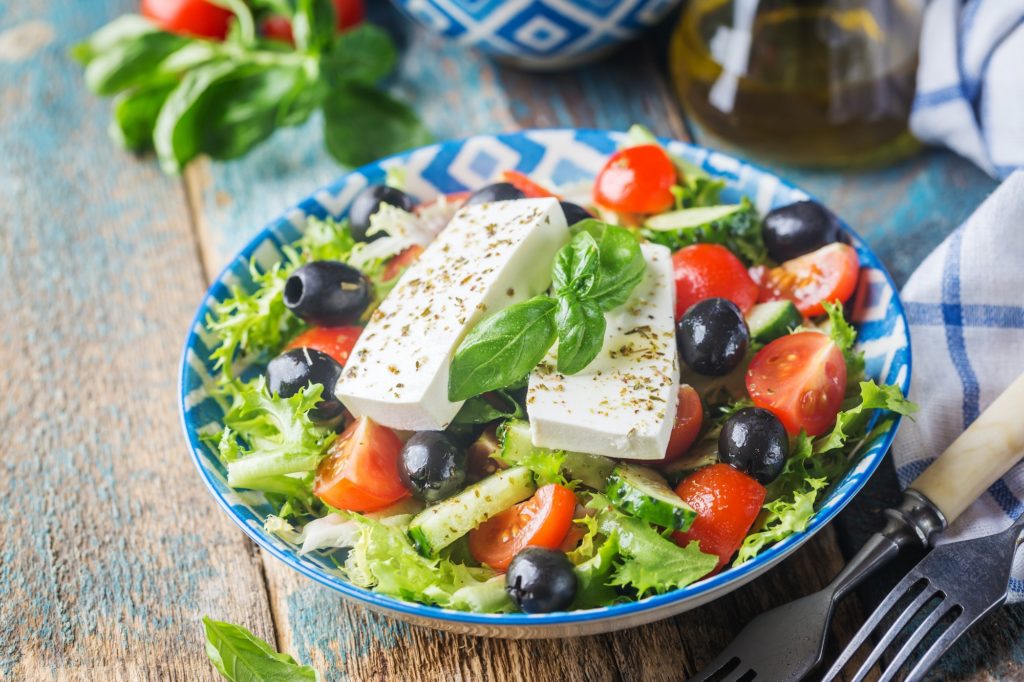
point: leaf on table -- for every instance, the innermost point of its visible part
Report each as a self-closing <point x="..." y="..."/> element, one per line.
<point x="125" y="28"/>
<point x="130" y="62"/>
<point x="314" y="24"/>
<point x="362" y="123"/>
<point x="364" y="54"/>
<point x="241" y="656"/>
<point x="135" y="113"/>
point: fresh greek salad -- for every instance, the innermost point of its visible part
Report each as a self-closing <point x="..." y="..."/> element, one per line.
<point x="537" y="398"/>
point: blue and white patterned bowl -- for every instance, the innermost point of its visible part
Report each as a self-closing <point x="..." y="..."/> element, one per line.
<point x="539" y="34"/>
<point x="562" y="156"/>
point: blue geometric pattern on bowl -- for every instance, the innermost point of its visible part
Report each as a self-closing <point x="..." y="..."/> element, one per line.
<point x="539" y="33"/>
<point x="562" y="156"/>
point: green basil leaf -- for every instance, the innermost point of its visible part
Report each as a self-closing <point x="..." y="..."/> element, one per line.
<point x="135" y="113"/>
<point x="622" y="265"/>
<point x="502" y="348"/>
<point x="313" y="24"/>
<point x="576" y="265"/>
<point x="362" y="123"/>
<point x="126" y="28"/>
<point x="131" y="62"/>
<point x="581" y="327"/>
<point x="480" y="409"/>
<point x="241" y="656"/>
<point x="364" y="54"/>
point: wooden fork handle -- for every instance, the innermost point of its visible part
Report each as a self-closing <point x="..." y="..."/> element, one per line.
<point x="979" y="456"/>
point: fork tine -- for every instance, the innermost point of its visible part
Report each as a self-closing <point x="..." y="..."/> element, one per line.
<point x="871" y="623"/>
<point x="736" y="674"/>
<point x="939" y="647"/>
<point x="894" y="630"/>
<point x="716" y="666"/>
<point x="940" y="612"/>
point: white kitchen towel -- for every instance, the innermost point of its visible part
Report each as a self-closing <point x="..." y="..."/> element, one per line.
<point x="965" y="304"/>
<point x="970" y="81"/>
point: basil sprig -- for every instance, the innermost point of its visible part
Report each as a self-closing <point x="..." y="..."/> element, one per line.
<point x="238" y="655"/>
<point x="184" y="96"/>
<point x="592" y="274"/>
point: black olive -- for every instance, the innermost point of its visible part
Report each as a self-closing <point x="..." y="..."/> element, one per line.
<point x="432" y="466"/>
<point x="327" y="293"/>
<point x="796" y="229"/>
<point x="499" y="191"/>
<point x="712" y="337"/>
<point x="754" y="441"/>
<point x="541" y="580"/>
<point x="574" y="213"/>
<point x="368" y="202"/>
<point x="295" y="369"/>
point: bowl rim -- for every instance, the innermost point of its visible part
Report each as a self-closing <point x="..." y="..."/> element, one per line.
<point x="736" y="574"/>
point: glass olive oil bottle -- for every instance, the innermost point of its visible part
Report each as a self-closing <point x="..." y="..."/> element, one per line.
<point x="810" y="82"/>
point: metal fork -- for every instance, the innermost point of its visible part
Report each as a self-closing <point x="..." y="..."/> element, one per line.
<point x="964" y="580"/>
<point x="787" y="642"/>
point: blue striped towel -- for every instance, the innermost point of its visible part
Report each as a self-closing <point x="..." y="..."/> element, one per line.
<point x="966" y="309"/>
<point x="970" y="81"/>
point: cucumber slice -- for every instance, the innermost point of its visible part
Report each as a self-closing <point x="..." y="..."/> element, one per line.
<point x="687" y="218"/>
<point x="439" y="525"/>
<point x="590" y="470"/>
<point x="643" y="493"/>
<point x="769" y="321"/>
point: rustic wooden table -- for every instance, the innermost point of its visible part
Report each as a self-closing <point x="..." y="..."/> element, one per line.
<point x="112" y="550"/>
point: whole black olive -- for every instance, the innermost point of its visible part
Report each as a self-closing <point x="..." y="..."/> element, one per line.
<point x="327" y="293"/>
<point x="712" y="337"/>
<point x="499" y="191"/>
<point x="574" y="213"/>
<point x="295" y="369"/>
<point x="431" y="466"/>
<point x="368" y="202"/>
<point x="796" y="229"/>
<point x="541" y="580"/>
<point x="754" y="441"/>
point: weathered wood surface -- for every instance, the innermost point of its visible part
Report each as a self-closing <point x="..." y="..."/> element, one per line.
<point x="113" y="550"/>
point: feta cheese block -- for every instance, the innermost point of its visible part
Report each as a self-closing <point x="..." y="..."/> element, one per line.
<point x="488" y="257"/>
<point x="623" y="404"/>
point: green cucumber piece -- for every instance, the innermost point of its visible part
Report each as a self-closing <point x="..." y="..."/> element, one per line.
<point x="590" y="470"/>
<point x="644" y="493"/>
<point x="439" y="525"/>
<point x="687" y="218"/>
<point x="772" y="320"/>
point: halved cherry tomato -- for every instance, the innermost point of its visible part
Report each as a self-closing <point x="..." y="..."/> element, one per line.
<point x="360" y="472"/>
<point x="828" y="274"/>
<point x="524" y="184"/>
<point x="397" y="265"/>
<point x="689" y="419"/>
<point x="198" y="18"/>
<point x="711" y="271"/>
<point x="636" y="180"/>
<point x="541" y="521"/>
<point x="348" y="13"/>
<point x="801" y="379"/>
<point x="335" y="341"/>
<point x="726" y="501"/>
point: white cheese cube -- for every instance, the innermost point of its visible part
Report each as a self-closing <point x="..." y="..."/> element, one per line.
<point x="488" y="257"/>
<point x="623" y="404"/>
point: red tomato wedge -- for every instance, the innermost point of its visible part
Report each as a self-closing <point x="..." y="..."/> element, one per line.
<point x="801" y="379"/>
<point x="726" y="501"/>
<point x="811" y="280"/>
<point x="689" y="419"/>
<point x="397" y="265"/>
<point x="198" y="18"/>
<point x="541" y="521"/>
<point x="524" y="184"/>
<point x="348" y="13"/>
<point x="360" y="472"/>
<point x="335" y="341"/>
<point x="636" y="180"/>
<point x="711" y="271"/>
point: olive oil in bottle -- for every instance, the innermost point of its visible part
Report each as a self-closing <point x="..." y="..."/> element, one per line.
<point x="810" y="82"/>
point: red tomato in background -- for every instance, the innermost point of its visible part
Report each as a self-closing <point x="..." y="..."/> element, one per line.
<point x="524" y="184"/>
<point x="335" y="341"/>
<point x="197" y="18"/>
<point x="801" y="379"/>
<point x="360" y="471"/>
<point x="689" y="419"/>
<point x="349" y="13"/>
<point x="397" y="265"/>
<point x="828" y="274"/>
<point x="711" y="271"/>
<point x="541" y="521"/>
<point x="726" y="501"/>
<point x="636" y="180"/>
